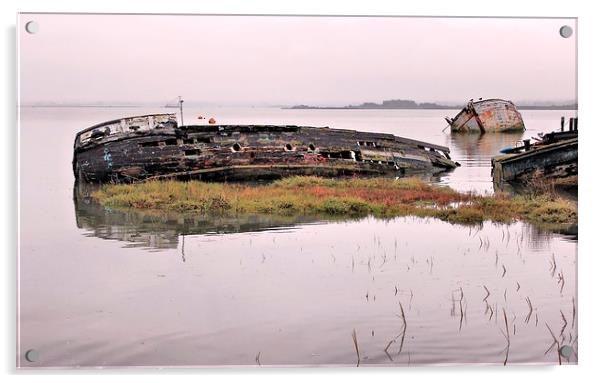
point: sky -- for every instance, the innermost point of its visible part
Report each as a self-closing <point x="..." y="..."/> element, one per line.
<point x="275" y="60"/>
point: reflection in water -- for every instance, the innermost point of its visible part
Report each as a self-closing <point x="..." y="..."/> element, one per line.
<point x="156" y="230"/>
<point x="295" y="296"/>
<point x="474" y="153"/>
<point x="476" y="150"/>
<point x="164" y="230"/>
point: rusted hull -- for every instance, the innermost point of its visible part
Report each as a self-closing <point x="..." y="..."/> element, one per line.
<point x="249" y="152"/>
<point x="487" y="116"/>
<point x="554" y="161"/>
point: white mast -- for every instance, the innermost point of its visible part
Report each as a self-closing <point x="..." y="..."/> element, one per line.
<point x="180" y="101"/>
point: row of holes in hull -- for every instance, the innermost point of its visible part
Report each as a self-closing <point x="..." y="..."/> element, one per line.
<point x="343" y="154"/>
<point x="236" y="147"/>
<point x="348" y="155"/>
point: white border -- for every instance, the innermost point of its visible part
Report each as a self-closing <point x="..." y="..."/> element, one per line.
<point x="589" y="100"/>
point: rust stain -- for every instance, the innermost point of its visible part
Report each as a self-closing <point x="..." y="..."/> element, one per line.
<point x="492" y="115"/>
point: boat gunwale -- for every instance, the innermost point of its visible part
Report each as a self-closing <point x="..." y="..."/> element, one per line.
<point x="508" y="158"/>
<point x="493" y="99"/>
<point x="158" y="132"/>
<point x="118" y="120"/>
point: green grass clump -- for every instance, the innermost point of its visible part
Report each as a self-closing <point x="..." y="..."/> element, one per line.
<point x="557" y="211"/>
<point x="380" y="197"/>
<point x="344" y="206"/>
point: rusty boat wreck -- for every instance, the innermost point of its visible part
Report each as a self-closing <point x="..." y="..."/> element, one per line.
<point x="491" y="115"/>
<point x="154" y="146"/>
<point x="552" y="156"/>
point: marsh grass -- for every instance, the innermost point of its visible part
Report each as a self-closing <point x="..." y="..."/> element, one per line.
<point x="380" y="197"/>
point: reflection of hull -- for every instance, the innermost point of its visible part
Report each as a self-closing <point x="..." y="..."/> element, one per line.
<point x="487" y="116"/>
<point x="162" y="230"/>
<point x="477" y="149"/>
<point x="154" y="146"/>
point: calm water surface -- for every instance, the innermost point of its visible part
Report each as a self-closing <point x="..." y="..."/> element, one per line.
<point x="109" y="288"/>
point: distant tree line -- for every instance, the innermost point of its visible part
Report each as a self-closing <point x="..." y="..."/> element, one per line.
<point x="411" y="104"/>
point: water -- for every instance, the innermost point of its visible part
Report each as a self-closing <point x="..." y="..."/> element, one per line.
<point x="109" y="288"/>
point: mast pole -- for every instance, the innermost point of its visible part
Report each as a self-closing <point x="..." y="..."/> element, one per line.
<point x="180" y="101"/>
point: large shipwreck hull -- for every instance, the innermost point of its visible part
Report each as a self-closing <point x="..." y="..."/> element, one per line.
<point x="155" y="146"/>
<point x="491" y="115"/>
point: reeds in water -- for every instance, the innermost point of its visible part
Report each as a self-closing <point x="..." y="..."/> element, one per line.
<point x="528" y="317"/>
<point x="402" y="334"/>
<point x="507" y="336"/>
<point x="555" y="343"/>
<point x="357" y="349"/>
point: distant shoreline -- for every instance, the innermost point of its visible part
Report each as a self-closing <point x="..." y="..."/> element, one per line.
<point x="439" y="107"/>
<point x="85" y="106"/>
<point x="306" y="107"/>
<point x="412" y="105"/>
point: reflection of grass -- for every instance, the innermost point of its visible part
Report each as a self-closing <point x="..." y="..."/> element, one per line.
<point x="339" y="197"/>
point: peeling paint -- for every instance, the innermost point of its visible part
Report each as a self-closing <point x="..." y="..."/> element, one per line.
<point x="491" y="115"/>
<point x="107" y="157"/>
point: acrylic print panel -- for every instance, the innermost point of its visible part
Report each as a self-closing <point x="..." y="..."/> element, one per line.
<point x="202" y="190"/>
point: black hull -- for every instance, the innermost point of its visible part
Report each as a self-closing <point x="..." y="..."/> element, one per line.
<point x="554" y="161"/>
<point x="241" y="152"/>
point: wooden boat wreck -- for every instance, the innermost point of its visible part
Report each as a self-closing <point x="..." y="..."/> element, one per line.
<point x="552" y="157"/>
<point x="154" y="146"/>
<point x="492" y="115"/>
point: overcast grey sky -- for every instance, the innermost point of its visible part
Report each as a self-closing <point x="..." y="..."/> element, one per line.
<point x="232" y="60"/>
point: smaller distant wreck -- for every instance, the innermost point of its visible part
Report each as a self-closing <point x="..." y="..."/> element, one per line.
<point x="491" y="115"/>
<point x="154" y="146"/>
<point x="553" y="156"/>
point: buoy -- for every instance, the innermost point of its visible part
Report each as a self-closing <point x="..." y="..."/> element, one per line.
<point x="212" y="120"/>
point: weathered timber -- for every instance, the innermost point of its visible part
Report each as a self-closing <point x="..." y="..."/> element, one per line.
<point x="154" y="146"/>
<point x="553" y="158"/>
<point x="492" y="115"/>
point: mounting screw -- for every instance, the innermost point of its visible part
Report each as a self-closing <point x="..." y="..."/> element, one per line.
<point x="566" y="31"/>
<point x="566" y="351"/>
<point x="32" y="355"/>
<point x="32" y="27"/>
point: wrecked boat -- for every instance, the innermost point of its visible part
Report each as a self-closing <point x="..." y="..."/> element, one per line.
<point x="491" y="115"/>
<point x="552" y="156"/>
<point x="154" y="146"/>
